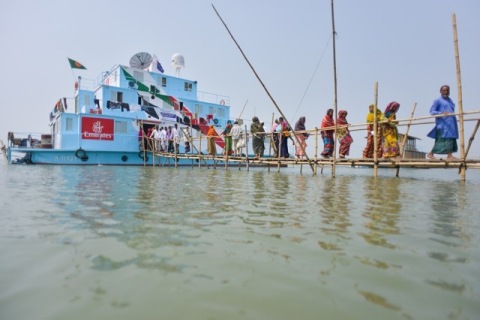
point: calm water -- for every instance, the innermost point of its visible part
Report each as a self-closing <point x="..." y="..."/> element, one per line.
<point x="165" y="243"/>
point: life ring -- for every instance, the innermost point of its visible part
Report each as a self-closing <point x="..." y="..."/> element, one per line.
<point x="80" y="153"/>
<point x="140" y="155"/>
<point x="222" y="102"/>
<point x="215" y="121"/>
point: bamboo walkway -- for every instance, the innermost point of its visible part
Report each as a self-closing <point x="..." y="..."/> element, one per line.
<point x="200" y="160"/>
<point x="220" y="161"/>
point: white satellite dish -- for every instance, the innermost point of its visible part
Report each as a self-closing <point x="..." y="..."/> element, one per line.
<point x="178" y="62"/>
<point x="141" y="60"/>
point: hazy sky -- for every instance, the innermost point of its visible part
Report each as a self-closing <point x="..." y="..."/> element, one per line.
<point x="406" y="46"/>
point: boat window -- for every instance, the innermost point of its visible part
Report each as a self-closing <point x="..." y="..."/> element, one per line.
<point x="212" y="110"/>
<point x="221" y="112"/>
<point x="188" y="86"/>
<point x="117" y="96"/>
<point x="164" y="82"/>
<point x="87" y="99"/>
<point x="68" y="124"/>
<point x="120" y="127"/>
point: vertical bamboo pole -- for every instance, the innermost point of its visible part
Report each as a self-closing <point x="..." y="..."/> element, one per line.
<point x="335" y="93"/>
<point x="316" y="152"/>
<point x="375" y="133"/>
<point x="175" y="157"/>
<point x="270" y="138"/>
<point x="460" y="101"/>
<point x="199" y="151"/>
<point x="279" y="148"/>
<point x="246" y="148"/>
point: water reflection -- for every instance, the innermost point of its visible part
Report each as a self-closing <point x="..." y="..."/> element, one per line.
<point x="269" y="200"/>
<point x="382" y="207"/>
<point x="449" y="230"/>
<point x="141" y="212"/>
<point x="335" y="206"/>
<point x="388" y="248"/>
<point x="444" y="203"/>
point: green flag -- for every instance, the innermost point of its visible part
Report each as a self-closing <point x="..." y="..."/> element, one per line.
<point x="75" y="64"/>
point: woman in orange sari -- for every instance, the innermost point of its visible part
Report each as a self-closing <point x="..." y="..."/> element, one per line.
<point x="211" y="133"/>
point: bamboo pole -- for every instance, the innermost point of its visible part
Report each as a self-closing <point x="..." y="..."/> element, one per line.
<point x="256" y="74"/>
<point x="335" y="91"/>
<point x="460" y="101"/>
<point x="316" y="151"/>
<point x="246" y="148"/>
<point x="270" y="139"/>
<point x="199" y="151"/>
<point x="279" y="148"/>
<point x="402" y="145"/>
<point x="471" y="138"/>
<point x="375" y="133"/>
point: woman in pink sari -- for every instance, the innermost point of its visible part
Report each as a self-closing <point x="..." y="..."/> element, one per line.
<point x="343" y="134"/>
<point x="301" y="144"/>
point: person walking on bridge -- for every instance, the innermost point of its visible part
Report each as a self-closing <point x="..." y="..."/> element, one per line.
<point x="445" y="131"/>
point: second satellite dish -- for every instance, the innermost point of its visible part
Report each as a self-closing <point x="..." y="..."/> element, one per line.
<point x="178" y="61"/>
<point x="141" y="60"/>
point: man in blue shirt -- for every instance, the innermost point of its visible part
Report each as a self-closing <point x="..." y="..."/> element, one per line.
<point x="445" y="131"/>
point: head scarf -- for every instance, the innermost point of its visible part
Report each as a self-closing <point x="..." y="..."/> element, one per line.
<point x="256" y="126"/>
<point x="370" y="115"/>
<point x="342" y="117"/>
<point x="211" y="131"/>
<point x="327" y="121"/>
<point x="392" y="108"/>
<point x="300" y="125"/>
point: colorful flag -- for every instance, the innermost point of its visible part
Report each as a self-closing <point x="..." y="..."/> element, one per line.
<point x="75" y="64"/>
<point x="159" y="67"/>
<point x="155" y="66"/>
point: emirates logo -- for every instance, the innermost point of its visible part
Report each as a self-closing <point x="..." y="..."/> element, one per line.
<point x="97" y="127"/>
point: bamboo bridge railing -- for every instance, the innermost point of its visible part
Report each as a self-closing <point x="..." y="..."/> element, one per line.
<point x="200" y="159"/>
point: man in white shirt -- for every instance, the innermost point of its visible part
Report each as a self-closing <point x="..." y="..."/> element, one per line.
<point x="176" y="137"/>
<point x="236" y="133"/>
<point x="163" y="139"/>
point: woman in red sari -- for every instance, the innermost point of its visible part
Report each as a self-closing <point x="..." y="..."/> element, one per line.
<point x="327" y="135"/>
<point x="343" y="134"/>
